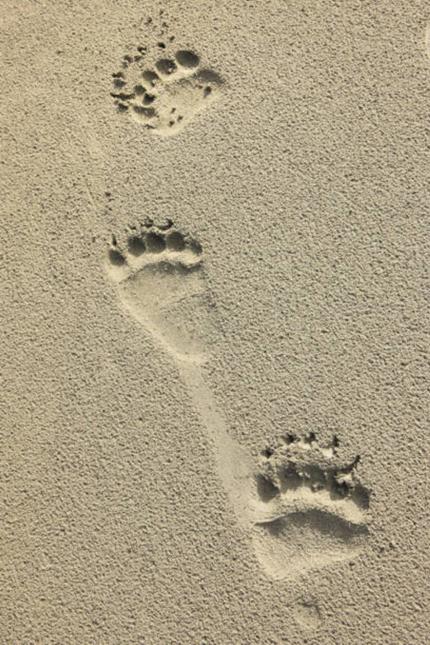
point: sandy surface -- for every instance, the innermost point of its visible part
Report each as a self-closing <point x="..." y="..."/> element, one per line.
<point x="215" y="323"/>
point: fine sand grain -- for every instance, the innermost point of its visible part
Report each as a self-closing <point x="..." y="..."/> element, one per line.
<point x="215" y="322"/>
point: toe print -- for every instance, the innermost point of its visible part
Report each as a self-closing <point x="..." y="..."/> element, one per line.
<point x="166" y="94"/>
<point x="165" y="66"/>
<point x="161" y="282"/>
<point x="310" y="508"/>
<point x="187" y="59"/>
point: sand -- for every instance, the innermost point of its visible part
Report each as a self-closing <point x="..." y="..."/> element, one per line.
<point x="215" y="323"/>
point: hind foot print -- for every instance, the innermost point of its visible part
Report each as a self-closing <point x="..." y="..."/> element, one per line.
<point x="168" y="94"/>
<point x="309" y="510"/>
<point x="160" y="279"/>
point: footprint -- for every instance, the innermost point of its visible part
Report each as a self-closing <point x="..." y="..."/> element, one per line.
<point x="310" y="508"/>
<point x="307" y="614"/>
<point x="161" y="282"/>
<point x="166" y="95"/>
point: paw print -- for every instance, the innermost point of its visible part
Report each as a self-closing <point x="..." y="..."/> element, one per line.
<point x="166" y="95"/>
<point x="159" y="276"/>
<point x="302" y="468"/>
<point x="310" y="508"/>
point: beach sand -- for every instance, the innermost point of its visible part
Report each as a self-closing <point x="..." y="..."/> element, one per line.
<point x="215" y="322"/>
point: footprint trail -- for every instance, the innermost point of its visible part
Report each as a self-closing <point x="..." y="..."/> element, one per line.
<point x="303" y="506"/>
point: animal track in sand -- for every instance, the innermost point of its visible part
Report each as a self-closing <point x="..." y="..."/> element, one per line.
<point x="161" y="282"/>
<point x="168" y="93"/>
<point x="307" y="615"/>
<point x="310" y="508"/>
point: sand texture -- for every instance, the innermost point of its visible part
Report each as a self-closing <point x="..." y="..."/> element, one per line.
<point x="214" y="411"/>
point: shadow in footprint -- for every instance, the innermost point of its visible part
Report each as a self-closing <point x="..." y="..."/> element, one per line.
<point x="316" y="521"/>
